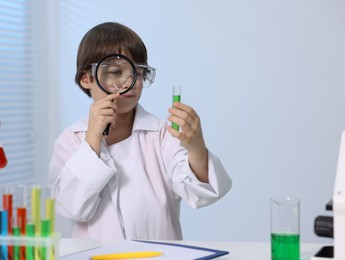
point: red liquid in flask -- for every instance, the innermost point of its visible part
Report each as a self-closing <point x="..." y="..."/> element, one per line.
<point x="3" y="159"/>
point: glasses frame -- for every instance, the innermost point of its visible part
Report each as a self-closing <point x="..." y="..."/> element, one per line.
<point x="145" y="66"/>
<point x="134" y="65"/>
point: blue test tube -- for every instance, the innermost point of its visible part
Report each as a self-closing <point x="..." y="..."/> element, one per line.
<point x="4" y="232"/>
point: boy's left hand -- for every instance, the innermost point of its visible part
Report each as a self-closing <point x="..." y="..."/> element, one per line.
<point x="190" y="134"/>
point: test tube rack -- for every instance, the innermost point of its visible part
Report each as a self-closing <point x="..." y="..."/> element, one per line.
<point x="27" y="223"/>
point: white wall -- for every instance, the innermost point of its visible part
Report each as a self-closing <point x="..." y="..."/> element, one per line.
<point x="267" y="79"/>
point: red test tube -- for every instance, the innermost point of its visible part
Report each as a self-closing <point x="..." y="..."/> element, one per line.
<point x="7" y="202"/>
<point x="21" y="196"/>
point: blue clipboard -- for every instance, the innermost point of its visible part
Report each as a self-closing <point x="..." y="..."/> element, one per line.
<point x="214" y="253"/>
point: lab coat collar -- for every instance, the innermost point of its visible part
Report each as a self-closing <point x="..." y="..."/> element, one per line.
<point x="143" y="121"/>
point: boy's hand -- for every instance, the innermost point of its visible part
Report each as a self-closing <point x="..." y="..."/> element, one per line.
<point x="190" y="135"/>
<point x="102" y="112"/>
<point x="191" y="138"/>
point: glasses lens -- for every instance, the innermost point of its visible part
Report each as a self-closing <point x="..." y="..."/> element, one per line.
<point x="115" y="74"/>
<point x="146" y="74"/>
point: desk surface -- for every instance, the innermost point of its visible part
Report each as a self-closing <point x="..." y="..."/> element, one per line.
<point x="238" y="250"/>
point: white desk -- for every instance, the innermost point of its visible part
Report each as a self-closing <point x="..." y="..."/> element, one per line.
<point x="238" y="250"/>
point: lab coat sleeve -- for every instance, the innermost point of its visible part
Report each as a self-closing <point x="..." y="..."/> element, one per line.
<point x="186" y="185"/>
<point x="198" y="194"/>
<point x="78" y="176"/>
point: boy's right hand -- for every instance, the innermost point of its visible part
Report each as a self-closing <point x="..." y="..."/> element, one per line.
<point x="102" y="112"/>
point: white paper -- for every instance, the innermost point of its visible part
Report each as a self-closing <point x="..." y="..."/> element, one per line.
<point x="169" y="252"/>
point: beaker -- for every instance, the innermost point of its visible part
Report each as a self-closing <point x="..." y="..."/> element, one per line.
<point x="285" y="228"/>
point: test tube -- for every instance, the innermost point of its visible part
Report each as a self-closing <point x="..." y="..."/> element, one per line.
<point x="16" y="232"/>
<point x="3" y="232"/>
<point x="21" y="194"/>
<point x="21" y="206"/>
<point x="45" y="232"/>
<point x="30" y="233"/>
<point x="36" y="208"/>
<point x="48" y="222"/>
<point x="48" y="207"/>
<point x="7" y="202"/>
<point x="176" y="98"/>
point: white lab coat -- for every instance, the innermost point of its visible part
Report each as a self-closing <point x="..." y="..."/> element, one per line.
<point x="134" y="189"/>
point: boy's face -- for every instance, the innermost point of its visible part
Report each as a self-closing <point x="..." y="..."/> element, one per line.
<point x="125" y="102"/>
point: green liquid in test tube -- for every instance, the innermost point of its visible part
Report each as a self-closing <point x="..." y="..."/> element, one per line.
<point x="16" y="248"/>
<point x="45" y="229"/>
<point x="29" y="250"/>
<point x="176" y="98"/>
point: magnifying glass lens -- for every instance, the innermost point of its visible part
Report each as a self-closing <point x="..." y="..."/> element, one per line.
<point x="115" y="74"/>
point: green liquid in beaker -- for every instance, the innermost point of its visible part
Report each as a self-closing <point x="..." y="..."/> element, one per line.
<point x="176" y="98"/>
<point x="285" y="246"/>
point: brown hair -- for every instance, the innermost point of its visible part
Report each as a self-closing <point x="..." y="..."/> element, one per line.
<point x="105" y="39"/>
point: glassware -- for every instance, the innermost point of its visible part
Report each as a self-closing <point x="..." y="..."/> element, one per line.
<point x="176" y="98"/>
<point x="3" y="159"/>
<point x="285" y="228"/>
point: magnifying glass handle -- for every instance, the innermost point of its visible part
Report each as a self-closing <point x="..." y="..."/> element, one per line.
<point x="106" y="130"/>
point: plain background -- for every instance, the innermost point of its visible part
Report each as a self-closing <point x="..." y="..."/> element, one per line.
<point x="266" y="77"/>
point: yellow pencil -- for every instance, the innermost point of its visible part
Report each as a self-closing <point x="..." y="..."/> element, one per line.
<point x="126" y="255"/>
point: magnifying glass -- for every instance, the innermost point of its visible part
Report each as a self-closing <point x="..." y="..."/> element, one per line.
<point x="115" y="73"/>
